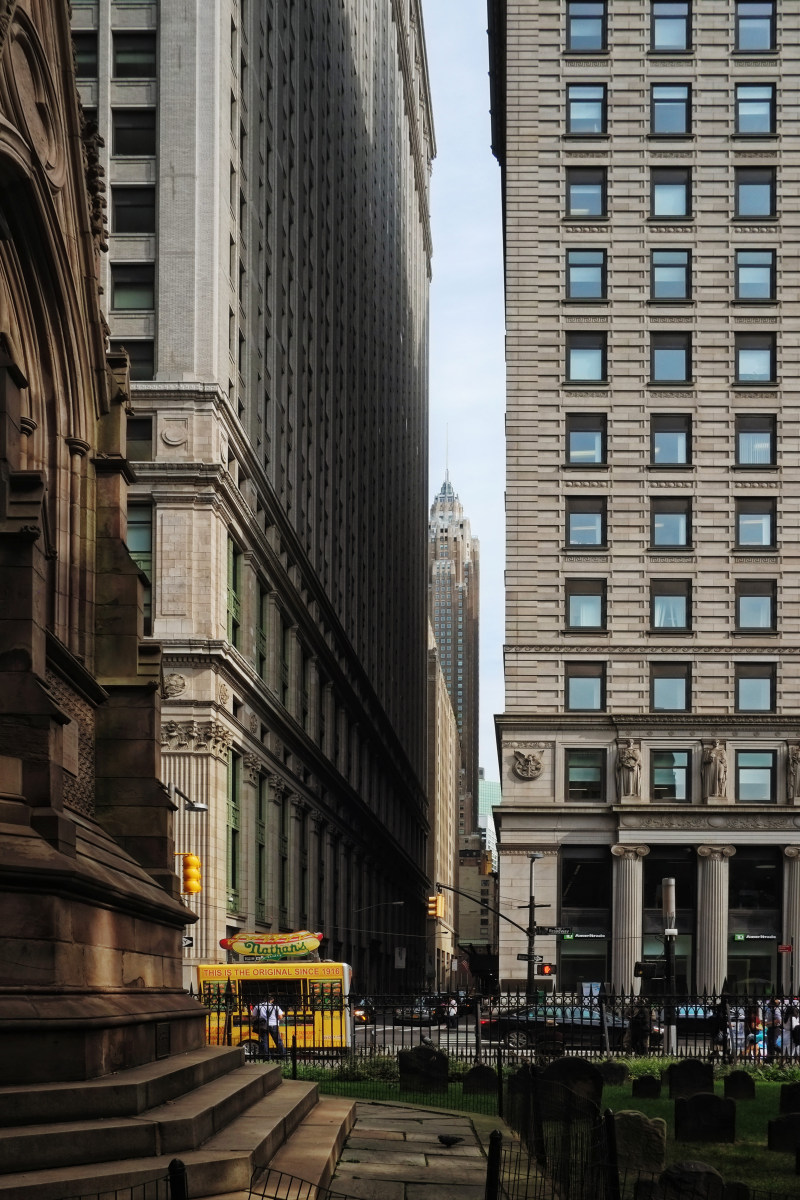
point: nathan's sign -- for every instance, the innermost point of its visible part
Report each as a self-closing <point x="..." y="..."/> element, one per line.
<point x="272" y="947"/>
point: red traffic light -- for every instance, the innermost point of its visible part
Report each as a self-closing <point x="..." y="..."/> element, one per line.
<point x="547" y="969"/>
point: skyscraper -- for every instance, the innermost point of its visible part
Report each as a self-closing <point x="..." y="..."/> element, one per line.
<point x="268" y="273"/>
<point x="650" y="167"/>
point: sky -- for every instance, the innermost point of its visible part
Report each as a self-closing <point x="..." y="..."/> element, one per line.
<point x="467" y="368"/>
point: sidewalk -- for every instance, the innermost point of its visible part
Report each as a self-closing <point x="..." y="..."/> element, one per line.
<point x="394" y="1153"/>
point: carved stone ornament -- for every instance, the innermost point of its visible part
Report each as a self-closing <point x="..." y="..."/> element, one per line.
<point x="223" y="694"/>
<point x="527" y="766"/>
<point x="715" y="771"/>
<point x="174" y="685"/>
<point x="253" y="766"/>
<point x="191" y="737"/>
<point x="34" y="95"/>
<point x="793" y="774"/>
<point x="629" y="769"/>
<point x="253" y="723"/>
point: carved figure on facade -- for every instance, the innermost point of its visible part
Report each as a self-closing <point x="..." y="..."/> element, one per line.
<point x="715" y="772"/>
<point x="527" y="766"/>
<point x="793" y="774"/>
<point x="253" y="766"/>
<point x="253" y="723"/>
<point x="277" y="786"/>
<point x="174" y="685"/>
<point x="223" y="694"/>
<point x="629" y="769"/>
<point x="196" y="738"/>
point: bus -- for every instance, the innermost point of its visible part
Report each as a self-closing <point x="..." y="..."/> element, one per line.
<point x="313" y="996"/>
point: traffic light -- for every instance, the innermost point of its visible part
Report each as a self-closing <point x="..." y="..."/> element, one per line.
<point x="649" y="970"/>
<point x="436" y="905"/>
<point x="191" y="875"/>
<point x="547" y="969"/>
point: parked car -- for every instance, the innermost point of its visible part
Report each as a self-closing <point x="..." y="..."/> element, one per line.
<point x="557" y="1025"/>
<point x="425" y="1010"/>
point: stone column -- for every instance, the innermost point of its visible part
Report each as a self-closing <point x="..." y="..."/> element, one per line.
<point x="626" y="936"/>
<point x="791" y="919"/>
<point x="277" y="789"/>
<point x="297" y="811"/>
<point x="712" y="913"/>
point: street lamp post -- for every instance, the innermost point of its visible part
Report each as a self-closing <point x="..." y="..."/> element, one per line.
<point x="531" y="986"/>
<point x="670" y="933"/>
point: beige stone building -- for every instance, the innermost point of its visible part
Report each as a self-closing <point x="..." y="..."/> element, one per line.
<point x="268" y="171"/>
<point x="444" y="768"/>
<point x="649" y="156"/>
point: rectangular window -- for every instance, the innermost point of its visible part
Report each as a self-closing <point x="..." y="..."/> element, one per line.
<point x="133" y="132"/>
<point x="586" y="603"/>
<point x="586" y="274"/>
<point x="670" y="357"/>
<point x="670" y="109"/>
<point x="139" y="439"/>
<point x="141" y="355"/>
<point x="234" y="613"/>
<point x="670" y="687"/>
<point x="585" y="686"/>
<point x="671" y="193"/>
<point x="586" y="192"/>
<point x="133" y="210"/>
<point x="755" y="440"/>
<point x="134" y="55"/>
<point x="233" y="855"/>
<point x="85" y="55"/>
<point x="755" y="275"/>
<point x="670" y="772"/>
<point x="756" y="358"/>
<point x="756" y="606"/>
<point x="755" y="109"/>
<point x="670" y="27"/>
<point x="132" y="286"/>
<point x="586" y="521"/>
<point x="755" y="524"/>
<point x="586" y="439"/>
<point x="585" y="772"/>
<point x="755" y="687"/>
<point x="670" y="605"/>
<point x="670" y="439"/>
<point x="670" y="522"/>
<point x="586" y="109"/>
<point x="670" y="275"/>
<point x="755" y="26"/>
<point x="755" y="192"/>
<point x="139" y="541"/>
<point x="755" y="776"/>
<point x="586" y="26"/>
<point x="586" y="358"/>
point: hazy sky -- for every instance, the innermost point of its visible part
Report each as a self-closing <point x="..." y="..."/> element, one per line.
<point x="467" y="393"/>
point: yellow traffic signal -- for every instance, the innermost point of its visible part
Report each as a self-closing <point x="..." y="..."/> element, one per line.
<point x="436" y="905"/>
<point x="191" y="875"/>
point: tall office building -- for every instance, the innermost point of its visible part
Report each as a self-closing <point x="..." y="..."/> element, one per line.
<point x="454" y="609"/>
<point x="444" y="775"/>
<point x="268" y="270"/>
<point x="651" y="176"/>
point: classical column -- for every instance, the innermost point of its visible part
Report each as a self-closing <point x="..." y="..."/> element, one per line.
<point x="626" y="937"/>
<point x="712" y="913"/>
<point x="297" y="812"/>
<point x="791" y="918"/>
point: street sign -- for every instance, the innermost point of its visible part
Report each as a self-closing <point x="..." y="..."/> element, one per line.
<point x="529" y="957"/>
<point x="558" y="930"/>
<point x="187" y="941"/>
<point x="784" y="949"/>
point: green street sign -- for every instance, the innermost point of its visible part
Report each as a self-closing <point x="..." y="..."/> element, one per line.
<point x="738" y="937"/>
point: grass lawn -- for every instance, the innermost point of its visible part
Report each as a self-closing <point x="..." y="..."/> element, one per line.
<point x="747" y="1160"/>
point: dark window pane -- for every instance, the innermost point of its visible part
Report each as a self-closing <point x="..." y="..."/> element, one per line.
<point x="134" y="131"/>
<point x="85" y="55"/>
<point x="585" y="771"/>
<point x="134" y="55"/>
<point x="133" y="209"/>
<point x="132" y="286"/>
<point x="141" y="355"/>
<point x="139" y="439"/>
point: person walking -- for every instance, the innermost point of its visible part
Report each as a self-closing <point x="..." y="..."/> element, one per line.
<point x="452" y="1013"/>
<point x="268" y="1015"/>
<point x="640" y="1028"/>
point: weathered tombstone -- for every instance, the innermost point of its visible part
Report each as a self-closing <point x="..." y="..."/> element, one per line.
<point x="689" y="1077"/>
<point x="790" y="1098"/>
<point x="479" y="1080"/>
<point x="422" y="1069"/>
<point x="738" y="1191"/>
<point x="641" y="1142"/>
<point x="705" y="1118"/>
<point x="739" y="1085"/>
<point x="695" y="1179"/>
<point x="576" y="1074"/>
<point x="646" y="1087"/>
<point x="614" y="1072"/>
<point x="783" y="1133"/>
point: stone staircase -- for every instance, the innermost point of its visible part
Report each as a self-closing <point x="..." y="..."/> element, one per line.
<point x="220" y="1117"/>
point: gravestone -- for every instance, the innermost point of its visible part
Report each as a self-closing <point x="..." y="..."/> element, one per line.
<point x="576" y="1074"/>
<point x="738" y="1191"/>
<point x="614" y="1073"/>
<point x="790" y="1098"/>
<point x="646" y="1087"/>
<point x="479" y="1080"/>
<point x="695" y="1179"/>
<point x="783" y="1133"/>
<point x="705" y="1118"/>
<point x="422" y="1069"/>
<point x="689" y="1077"/>
<point x="739" y="1085"/>
<point x="641" y="1142"/>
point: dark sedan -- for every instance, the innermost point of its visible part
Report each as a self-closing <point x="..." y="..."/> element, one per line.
<point x="554" y="1026"/>
<point x="425" y="1010"/>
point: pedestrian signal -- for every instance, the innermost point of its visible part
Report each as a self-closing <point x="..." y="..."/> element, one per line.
<point x="191" y="875"/>
<point x="547" y="969"/>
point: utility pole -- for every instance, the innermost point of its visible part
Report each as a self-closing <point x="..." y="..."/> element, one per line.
<point x="531" y="979"/>
<point x="668" y="911"/>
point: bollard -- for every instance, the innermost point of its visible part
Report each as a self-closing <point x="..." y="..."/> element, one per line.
<point x="178" y="1184"/>
<point x="493" y="1165"/>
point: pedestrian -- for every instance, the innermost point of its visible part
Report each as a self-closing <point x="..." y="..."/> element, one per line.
<point x="791" y="1032"/>
<point x="266" y="1018"/>
<point x="640" y="1028"/>
<point x="452" y="1013"/>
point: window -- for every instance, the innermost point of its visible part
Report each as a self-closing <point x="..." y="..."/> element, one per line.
<point x="755" y="358"/>
<point x="755" y="109"/>
<point x="234" y="606"/>
<point x="670" y="775"/>
<point x="670" y="605"/>
<point x="585" y="772"/>
<point x="586" y="109"/>
<point x="85" y="55"/>
<point x="140" y="546"/>
<point x="755" y="687"/>
<point x="670" y="357"/>
<point x="139" y="439"/>
<point x="586" y="26"/>
<point x="755" y="524"/>
<point x="755" y="440"/>
<point x="670" y="109"/>
<point x="670" y="687"/>
<point x="586" y="192"/>
<point x="586" y="604"/>
<point x="670" y="439"/>
<point x="755" y="275"/>
<point x="586" y="521"/>
<point x="670" y="27"/>
<point x="133" y="209"/>
<point x="141" y="355"/>
<point x="134" y="55"/>
<point x="755" y="26"/>
<point x="586" y="274"/>
<point x="585" y="686"/>
<point x="132" y="286"/>
<point x="586" y="439"/>
<point x="755" y="776"/>
<point x="670" y="522"/>
<point x="586" y="358"/>
<point x="755" y="192"/>
<point x="670" y="192"/>
<point x="133" y="131"/>
<point x="670" y="275"/>
<point x="756" y="605"/>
